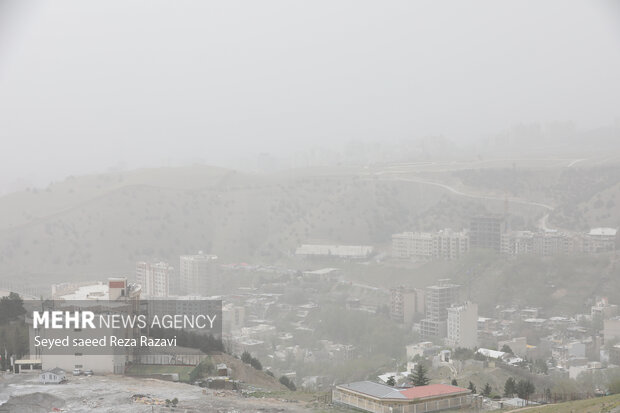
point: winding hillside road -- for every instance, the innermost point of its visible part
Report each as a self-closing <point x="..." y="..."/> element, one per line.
<point x="542" y="222"/>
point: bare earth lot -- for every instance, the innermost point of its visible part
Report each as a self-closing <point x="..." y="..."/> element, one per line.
<point x="114" y="394"/>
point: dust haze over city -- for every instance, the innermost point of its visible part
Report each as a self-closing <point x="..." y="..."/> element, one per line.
<point x="405" y="206"/>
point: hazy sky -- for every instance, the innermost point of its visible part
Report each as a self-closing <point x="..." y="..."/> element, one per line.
<point x="87" y="84"/>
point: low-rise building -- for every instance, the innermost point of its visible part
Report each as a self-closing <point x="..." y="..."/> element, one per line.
<point x="53" y="376"/>
<point x="421" y="349"/>
<point x="599" y="240"/>
<point x="379" y="398"/>
<point x="336" y="251"/>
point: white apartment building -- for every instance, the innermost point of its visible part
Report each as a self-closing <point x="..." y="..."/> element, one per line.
<point x="446" y="244"/>
<point x="462" y="325"/>
<point x="155" y="279"/>
<point x="198" y="275"/>
<point x="117" y="295"/>
<point x="599" y="240"/>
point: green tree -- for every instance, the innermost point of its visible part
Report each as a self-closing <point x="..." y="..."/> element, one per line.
<point x="614" y="386"/>
<point x="11" y="307"/>
<point x="419" y="376"/>
<point x="510" y="387"/>
<point x="525" y="389"/>
<point x="472" y="387"/>
<point x="506" y="349"/>
<point x="454" y="382"/>
<point x="246" y="357"/>
<point x="486" y="391"/>
<point x="288" y="383"/>
<point x="254" y="362"/>
<point x="540" y="366"/>
<point x="391" y="381"/>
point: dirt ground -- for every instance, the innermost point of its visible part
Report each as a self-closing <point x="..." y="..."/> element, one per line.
<point x="116" y="394"/>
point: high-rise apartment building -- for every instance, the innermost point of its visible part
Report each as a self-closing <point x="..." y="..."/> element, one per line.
<point x="198" y="274"/>
<point x="438" y="299"/>
<point x="405" y="303"/>
<point x="155" y="278"/>
<point x="462" y="325"/>
<point x="485" y="232"/>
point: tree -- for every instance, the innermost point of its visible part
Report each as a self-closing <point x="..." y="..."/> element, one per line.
<point x="472" y="387"/>
<point x="540" y="366"/>
<point x="254" y="362"/>
<point x="246" y="357"/>
<point x="288" y="383"/>
<point x="454" y="382"/>
<point x="506" y="349"/>
<point x="525" y="389"/>
<point x="11" y="307"/>
<point x="614" y="386"/>
<point x="510" y="387"/>
<point x="486" y="391"/>
<point x="391" y="381"/>
<point x="548" y="394"/>
<point x="419" y="377"/>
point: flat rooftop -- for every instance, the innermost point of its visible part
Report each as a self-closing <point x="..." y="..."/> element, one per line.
<point x="382" y="391"/>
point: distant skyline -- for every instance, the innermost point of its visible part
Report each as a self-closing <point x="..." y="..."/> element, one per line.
<point x="85" y="86"/>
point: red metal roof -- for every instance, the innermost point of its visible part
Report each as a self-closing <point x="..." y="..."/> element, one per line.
<point x="431" y="390"/>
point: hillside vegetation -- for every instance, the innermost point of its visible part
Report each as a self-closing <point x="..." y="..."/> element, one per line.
<point x="108" y="222"/>
<point x="89" y="226"/>
<point x="598" y="405"/>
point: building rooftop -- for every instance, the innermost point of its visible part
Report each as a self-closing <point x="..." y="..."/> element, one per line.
<point x="432" y="390"/>
<point x="373" y="389"/>
<point x="610" y="232"/>
<point x="98" y="291"/>
<point x="335" y="250"/>
<point x="382" y="391"/>
<point x="491" y="353"/>
<point x="322" y="271"/>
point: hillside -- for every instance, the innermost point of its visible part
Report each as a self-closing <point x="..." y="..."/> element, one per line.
<point x="248" y="374"/>
<point x="90" y="226"/>
<point x="238" y="217"/>
<point x="561" y="285"/>
<point x="608" y="404"/>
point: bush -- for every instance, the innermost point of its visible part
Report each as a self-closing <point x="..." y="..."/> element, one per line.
<point x="254" y="362"/>
<point x="246" y="357"/>
<point x="288" y="383"/>
<point x="614" y="386"/>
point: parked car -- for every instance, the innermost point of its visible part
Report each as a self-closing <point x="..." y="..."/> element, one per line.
<point x="88" y="372"/>
<point x="77" y="372"/>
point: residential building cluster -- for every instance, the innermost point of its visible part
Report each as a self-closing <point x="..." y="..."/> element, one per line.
<point x="490" y="233"/>
<point x="444" y="244"/>
<point x="445" y="315"/>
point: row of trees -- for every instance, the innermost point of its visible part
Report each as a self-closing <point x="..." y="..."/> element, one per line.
<point x="205" y="343"/>
<point x="522" y="388"/>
